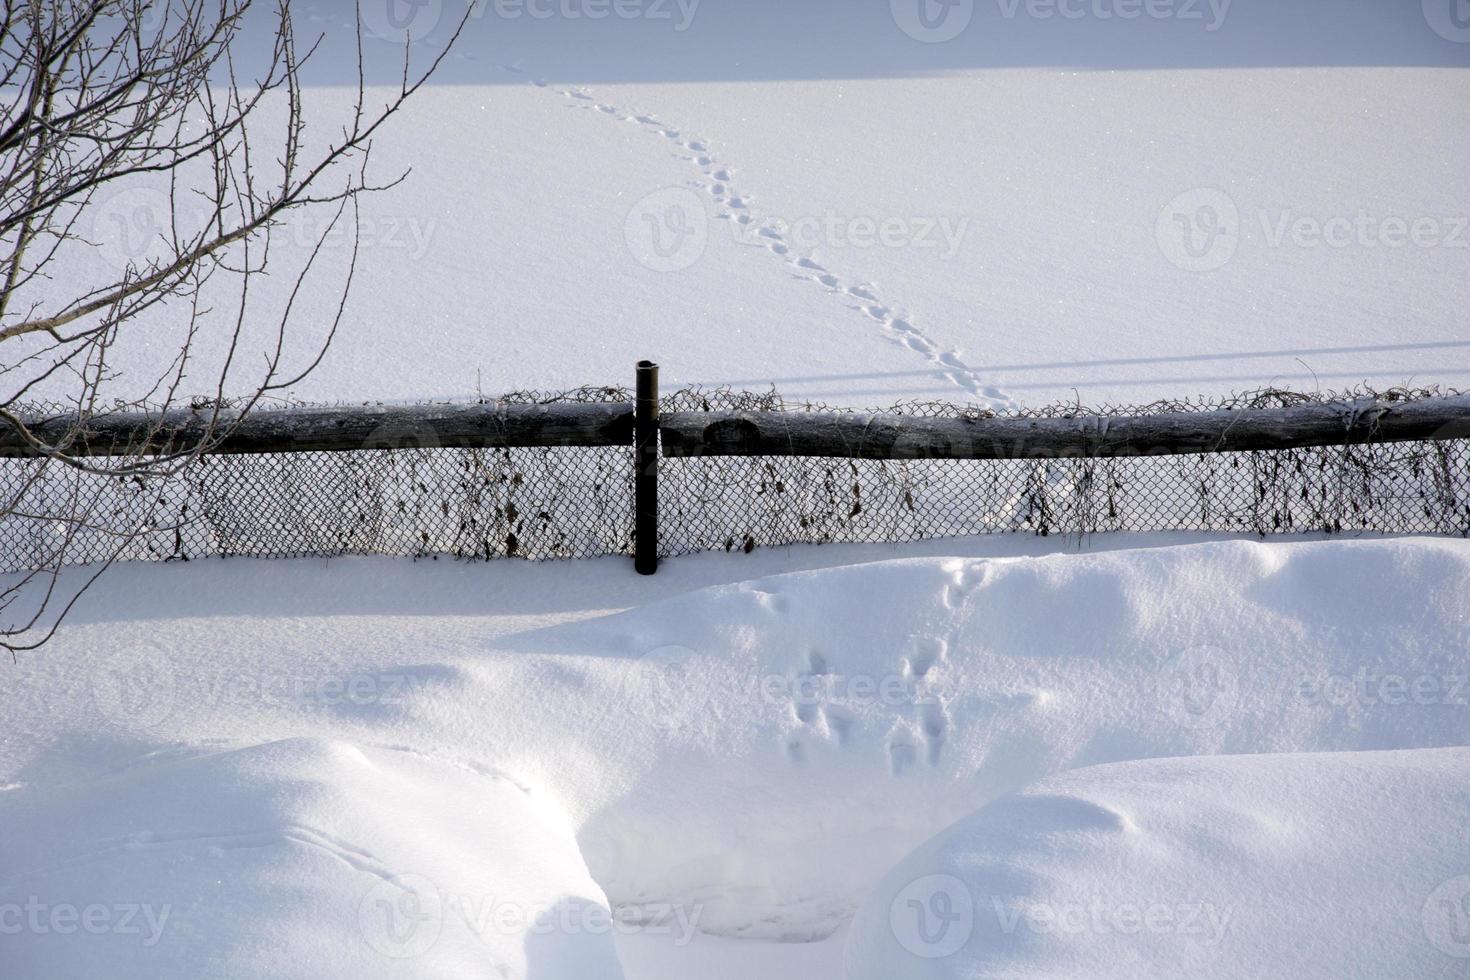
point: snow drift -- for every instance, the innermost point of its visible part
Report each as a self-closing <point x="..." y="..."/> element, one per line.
<point x="1341" y="866"/>
<point x="764" y="751"/>
<point x="746" y="760"/>
<point x="300" y="858"/>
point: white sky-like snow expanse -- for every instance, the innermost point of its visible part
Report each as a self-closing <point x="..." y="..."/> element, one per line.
<point x="374" y="768"/>
<point x="1040" y="208"/>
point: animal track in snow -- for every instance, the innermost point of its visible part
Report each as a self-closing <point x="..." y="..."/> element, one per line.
<point x="736" y="204"/>
<point x="929" y="652"/>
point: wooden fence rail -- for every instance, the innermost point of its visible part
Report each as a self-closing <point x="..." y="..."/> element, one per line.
<point x="493" y="425"/>
<point x="900" y="437"/>
<point x="497" y="425"/>
<point x="651" y="436"/>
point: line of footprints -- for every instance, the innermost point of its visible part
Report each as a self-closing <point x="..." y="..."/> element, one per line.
<point x="716" y="179"/>
<point x="915" y="736"/>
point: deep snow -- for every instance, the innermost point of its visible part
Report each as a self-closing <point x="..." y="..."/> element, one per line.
<point x="746" y="759"/>
<point x="295" y="858"/>
<point x="1340" y="866"/>
<point x="304" y="761"/>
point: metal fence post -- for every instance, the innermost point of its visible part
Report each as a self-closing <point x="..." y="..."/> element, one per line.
<point x="645" y="470"/>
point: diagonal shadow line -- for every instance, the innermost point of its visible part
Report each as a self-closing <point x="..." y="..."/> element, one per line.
<point x="1127" y="362"/>
<point x="1254" y="380"/>
<point x="1244" y="355"/>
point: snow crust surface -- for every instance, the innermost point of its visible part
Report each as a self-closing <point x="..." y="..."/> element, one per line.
<point x="260" y="746"/>
<point x="1349" y="865"/>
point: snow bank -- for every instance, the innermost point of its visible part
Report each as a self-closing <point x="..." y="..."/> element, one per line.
<point x="301" y="858"/>
<point x="763" y="752"/>
<point x="1346" y="865"/>
<point x="744" y="759"/>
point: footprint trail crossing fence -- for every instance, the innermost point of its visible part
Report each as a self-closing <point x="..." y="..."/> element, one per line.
<point x="607" y="471"/>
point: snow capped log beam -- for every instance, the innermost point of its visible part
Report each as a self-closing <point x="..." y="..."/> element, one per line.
<point x="685" y="434"/>
<point x="494" y="425"/>
<point x="891" y="436"/>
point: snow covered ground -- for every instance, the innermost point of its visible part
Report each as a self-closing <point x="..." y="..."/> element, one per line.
<point x="374" y="768"/>
<point x="1040" y="208"/>
<point x="1215" y="868"/>
<point x="347" y="758"/>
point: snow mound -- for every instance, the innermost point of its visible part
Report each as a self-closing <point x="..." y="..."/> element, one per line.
<point x="1345" y="865"/>
<point x="763" y="752"/>
<point x="298" y="858"/>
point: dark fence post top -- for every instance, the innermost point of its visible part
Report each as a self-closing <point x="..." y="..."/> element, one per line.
<point x="645" y="469"/>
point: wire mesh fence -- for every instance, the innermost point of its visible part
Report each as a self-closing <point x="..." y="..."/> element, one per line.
<point x="741" y="503"/>
<point x="575" y="502"/>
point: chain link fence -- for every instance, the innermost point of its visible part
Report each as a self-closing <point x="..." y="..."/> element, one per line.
<point x="480" y="504"/>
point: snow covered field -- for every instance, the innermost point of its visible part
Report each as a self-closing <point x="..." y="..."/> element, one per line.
<point x="1041" y="208"/>
<point x="312" y="769"/>
<point x="1142" y="755"/>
